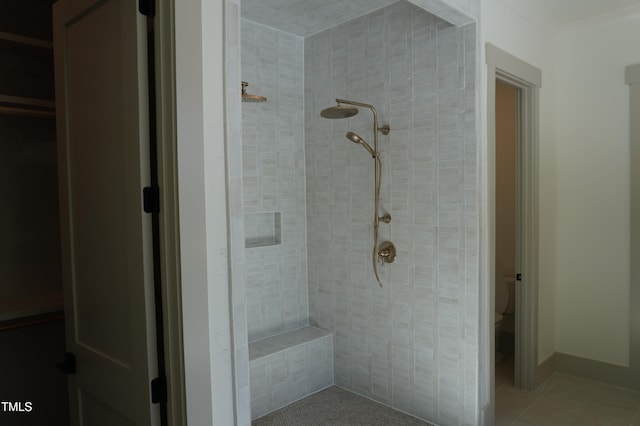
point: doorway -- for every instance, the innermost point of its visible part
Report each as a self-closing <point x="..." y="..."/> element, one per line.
<point x="507" y="245"/>
<point x="503" y="67"/>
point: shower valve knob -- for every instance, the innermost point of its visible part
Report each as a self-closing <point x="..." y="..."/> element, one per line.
<point x="387" y="252"/>
<point x="386" y="218"/>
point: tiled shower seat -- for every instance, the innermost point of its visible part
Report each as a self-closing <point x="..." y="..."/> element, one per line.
<point x="288" y="367"/>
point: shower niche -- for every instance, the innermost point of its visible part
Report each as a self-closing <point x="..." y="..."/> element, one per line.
<point x="262" y="229"/>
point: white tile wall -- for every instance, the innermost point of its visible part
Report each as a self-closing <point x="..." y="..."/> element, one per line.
<point x="273" y="178"/>
<point x="288" y="367"/>
<point x="413" y="343"/>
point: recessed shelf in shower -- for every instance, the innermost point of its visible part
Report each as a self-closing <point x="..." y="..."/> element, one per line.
<point x="262" y="229"/>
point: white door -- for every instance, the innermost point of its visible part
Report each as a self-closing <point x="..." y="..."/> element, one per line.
<point x="102" y="119"/>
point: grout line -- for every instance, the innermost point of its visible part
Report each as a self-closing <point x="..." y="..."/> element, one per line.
<point x="583" y="404"/>
<point x="525" y="410"/>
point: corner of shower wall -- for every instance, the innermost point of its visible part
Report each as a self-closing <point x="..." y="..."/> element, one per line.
<point x="287" y="360"/>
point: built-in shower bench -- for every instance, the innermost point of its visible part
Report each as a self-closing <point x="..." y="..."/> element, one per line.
<point x="288" y="367"/>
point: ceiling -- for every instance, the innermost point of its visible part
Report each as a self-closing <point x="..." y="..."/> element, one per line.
<point x="305" y="17"/>
<point x="567" y="11"/>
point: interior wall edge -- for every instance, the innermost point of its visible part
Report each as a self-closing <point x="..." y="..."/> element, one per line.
<point x="632" y="74"/>
<point x="633" y="80"/>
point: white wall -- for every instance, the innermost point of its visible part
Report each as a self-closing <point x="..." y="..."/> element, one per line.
<point x="584" y="172"/>
<point x="593" y="223"/>
<point x="525" y="32"/>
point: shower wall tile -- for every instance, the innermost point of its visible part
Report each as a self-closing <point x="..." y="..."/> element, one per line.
<point x="412" y="343"/>
<point x="288" y="367"/>
<point x="273" y="178"/>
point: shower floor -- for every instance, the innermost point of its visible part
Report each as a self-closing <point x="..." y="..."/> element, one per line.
<point x="336" y="406"/>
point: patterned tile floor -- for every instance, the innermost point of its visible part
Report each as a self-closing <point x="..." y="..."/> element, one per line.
<point x="563" y="400"/>
<point x="335" y="406"/>
<point x="560" y="401"/>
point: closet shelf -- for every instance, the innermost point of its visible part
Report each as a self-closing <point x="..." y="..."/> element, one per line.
<point x="16" y="105"/>
<point x="16" y="38"/>
<point x="27" y="112"/>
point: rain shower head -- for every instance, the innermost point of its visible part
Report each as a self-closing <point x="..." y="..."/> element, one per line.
<point x="353" y="137"/>
<point x="250" y="98"/>
<point x="339" y="111"/>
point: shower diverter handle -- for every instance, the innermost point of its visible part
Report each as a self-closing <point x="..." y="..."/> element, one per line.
<point x="387" y="252"/>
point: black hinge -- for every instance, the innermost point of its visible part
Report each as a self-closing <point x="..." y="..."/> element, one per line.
<point x="147" y="7"/>
<point x="151" y="199"/>
<point x="159" y="390"/>
<point x="68" y="366"/>
<point x="518" y="277"/>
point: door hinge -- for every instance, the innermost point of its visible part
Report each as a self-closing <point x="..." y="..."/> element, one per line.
<point x="151" y="199"/>
<point x="159" y="390"/>
<point x="518" y="277"/>
<point x="68" y="366"/>
<point x="147" y="7"/>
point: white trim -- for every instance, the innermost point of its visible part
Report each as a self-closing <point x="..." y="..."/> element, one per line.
<point x="633" y="80"/>
<point x="488" y="248"/>
<point x="632" y="74"/>
<point x="169" y="229"/>
<point x="509" y="64"/>
<point x="200" y="112"/>
<point x="503" y="66"/>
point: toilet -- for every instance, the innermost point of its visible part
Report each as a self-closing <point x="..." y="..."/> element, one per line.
<point x="504" y="306"/>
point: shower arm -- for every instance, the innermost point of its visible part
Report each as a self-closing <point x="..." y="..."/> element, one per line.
<point x="384" y="129"/>
<point x="376" y="157"/>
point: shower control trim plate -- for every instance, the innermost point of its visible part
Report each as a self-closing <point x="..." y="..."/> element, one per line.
<point x="387" y="252"/>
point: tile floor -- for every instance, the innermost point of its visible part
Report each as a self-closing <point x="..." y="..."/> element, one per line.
<point x="335" y="406"/>
<point x="563" y="400"/>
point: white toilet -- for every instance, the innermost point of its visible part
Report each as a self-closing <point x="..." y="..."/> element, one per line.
<point x="505" y="305"/>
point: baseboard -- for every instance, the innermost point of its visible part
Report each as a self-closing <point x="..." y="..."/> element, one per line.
<point x="545" y="370"/>
<point x="596" y="370"/>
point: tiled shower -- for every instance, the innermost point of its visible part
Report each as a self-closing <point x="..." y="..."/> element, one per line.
<point x="307" y="207"/>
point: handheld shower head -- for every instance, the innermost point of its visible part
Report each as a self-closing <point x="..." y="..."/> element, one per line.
<point x="353" y="137"/>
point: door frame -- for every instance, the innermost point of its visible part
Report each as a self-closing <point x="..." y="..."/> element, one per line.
<point x="632" y="79"/>
<point x="193" y="51"/>
<point x="169" y="219"/>
<point x="193" y="204"/>
<point x="528" y="79"/>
